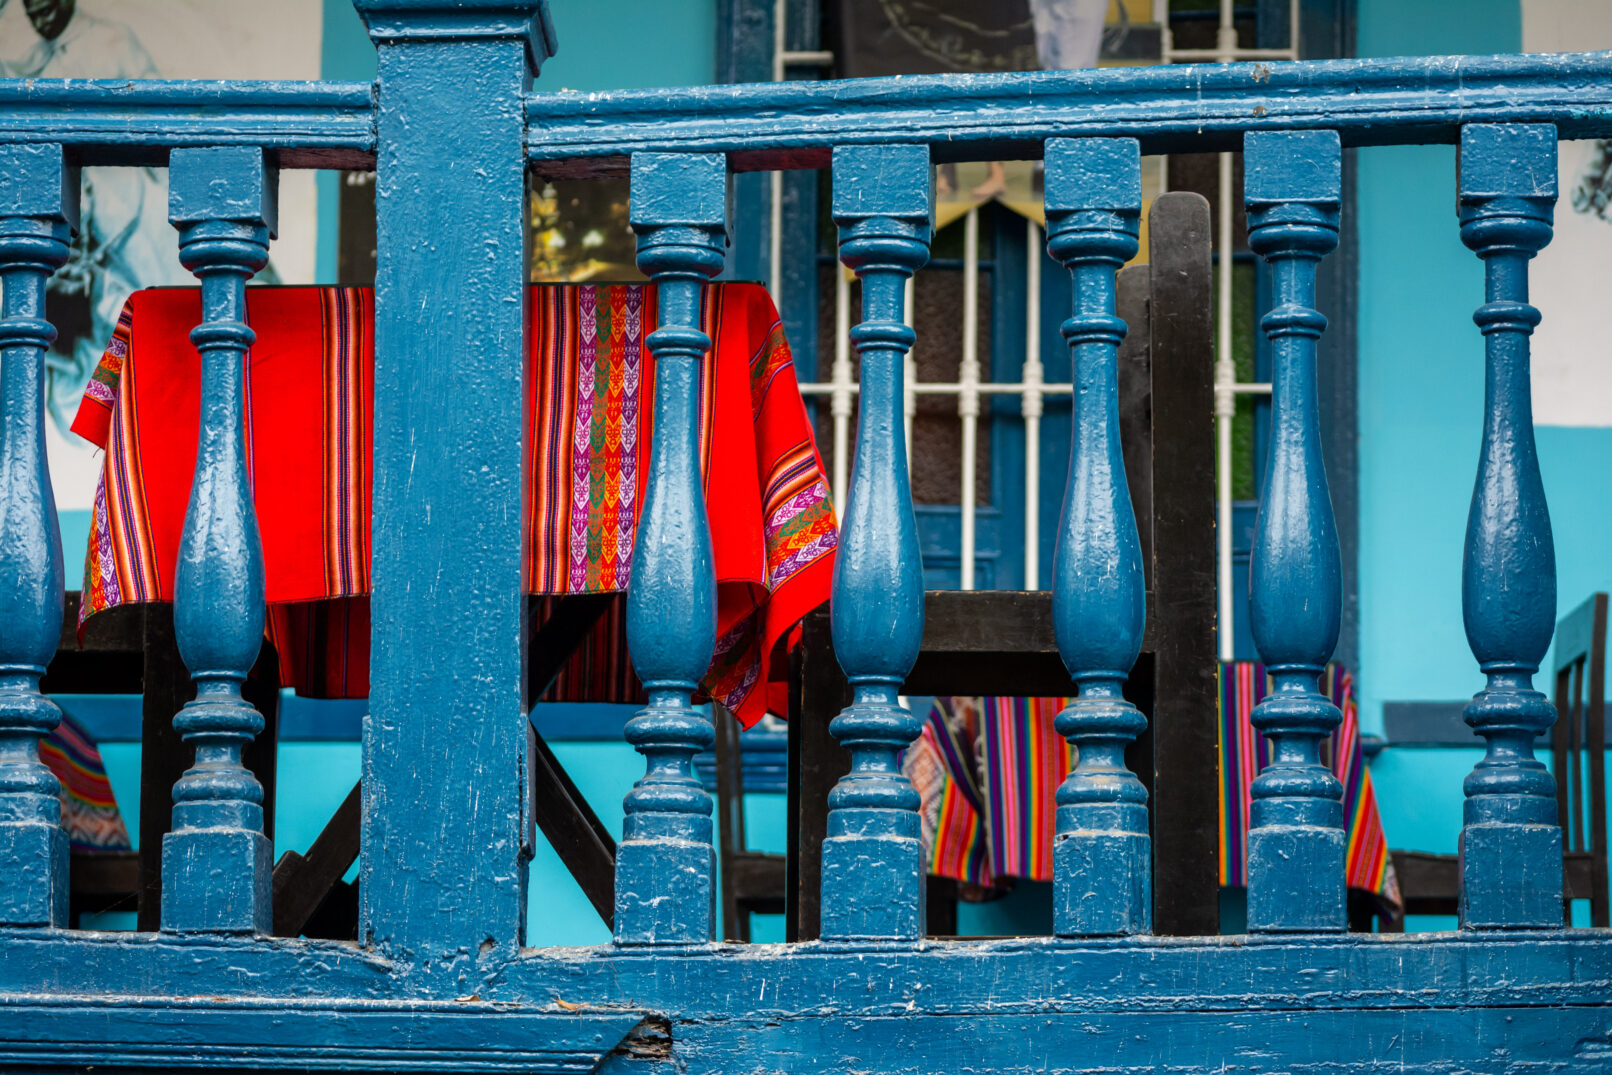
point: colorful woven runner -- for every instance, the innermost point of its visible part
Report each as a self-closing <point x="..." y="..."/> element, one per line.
<point x="1244" y="752"/>
<point x="591" y="384"/>
<point x="986" y="770"/>
<point x="89" y="810"/>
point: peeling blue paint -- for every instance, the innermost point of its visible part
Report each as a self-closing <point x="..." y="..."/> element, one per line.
<point x="438" y="980"/>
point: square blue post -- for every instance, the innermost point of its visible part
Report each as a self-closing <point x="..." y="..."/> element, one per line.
<point x="216" y="861"/>
<point x="873" y="876"/>
<point x="445" y="833"/>
<point x="1101" y="859"/>
<point x="665" y="865"/>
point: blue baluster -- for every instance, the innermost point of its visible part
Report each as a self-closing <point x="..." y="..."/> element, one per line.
<point x="873" y="877"/>
<point x="38" y="215"/>
<point x="1293" y="191"/>
<point x="665" y="893"/>
<point x="1511" y="847"/>
<point x="1102" y="863"/>
<point x="215" y="862"/>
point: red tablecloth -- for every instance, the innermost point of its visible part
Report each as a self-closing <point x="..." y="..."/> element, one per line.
<point x="590" y="402"/>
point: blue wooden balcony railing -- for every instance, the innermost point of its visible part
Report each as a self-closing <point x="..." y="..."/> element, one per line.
<point x="439" y="979"/>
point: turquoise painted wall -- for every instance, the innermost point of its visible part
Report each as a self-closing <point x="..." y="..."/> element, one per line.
<point x="1420" y="410"/>
<point x="622" y="44"/>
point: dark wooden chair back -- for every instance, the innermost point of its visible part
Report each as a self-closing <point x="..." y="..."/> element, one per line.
<point x="1430" y="884"/>
<point x="1578" y="749"/>
<point x="1001" y="642"/>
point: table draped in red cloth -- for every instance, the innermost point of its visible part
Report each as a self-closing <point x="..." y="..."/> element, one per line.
<point x="590" y="395"/>
<point x="987" y="770"/>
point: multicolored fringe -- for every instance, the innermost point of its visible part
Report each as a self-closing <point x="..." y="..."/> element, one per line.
<point x="1024" y="760"/>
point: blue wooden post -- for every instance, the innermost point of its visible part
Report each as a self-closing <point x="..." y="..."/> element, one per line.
<point x="1511" y="847"/>
<point x="216" y="861"/>
<point x="1102" y="862"/>
<point x="665" y="865"/>
<point x="873" y="876"/>
<point x="1293" y="190"/>
<point x="38" y="215"/>
<point x="445" y="818"/>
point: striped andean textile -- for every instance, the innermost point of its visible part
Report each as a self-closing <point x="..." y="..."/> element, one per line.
<point x="591" y="384"/>
<point x="89" y="810"/>
<point x="1244" y="752"/>
<point x="986" y="770"/>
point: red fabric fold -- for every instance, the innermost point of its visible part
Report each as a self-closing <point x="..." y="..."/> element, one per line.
<point x="590" y="408"/>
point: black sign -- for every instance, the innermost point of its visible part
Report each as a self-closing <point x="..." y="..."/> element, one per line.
<point x="926" y="37"/>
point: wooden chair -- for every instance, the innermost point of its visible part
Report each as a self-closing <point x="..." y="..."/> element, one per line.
<point x="1577" y="742"/>
<point x="131" y="650"/>
<point x="310" y="897"/>
<point x="752" y="881"/>
<point x="1001" y="643"/>
<point x="1430" y="884"/>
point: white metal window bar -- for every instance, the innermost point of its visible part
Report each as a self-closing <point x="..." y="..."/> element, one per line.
<point x="1227" y="387"/>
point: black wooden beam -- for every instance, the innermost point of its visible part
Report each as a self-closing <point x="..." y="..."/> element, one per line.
<point x="302" y="882"/>
<point x="1184" y="726"/>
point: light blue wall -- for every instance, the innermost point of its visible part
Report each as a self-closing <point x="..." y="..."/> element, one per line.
<point x="619" y="44"/>
<point x="1421" y="377"/>
<point x="1420" y="412"/>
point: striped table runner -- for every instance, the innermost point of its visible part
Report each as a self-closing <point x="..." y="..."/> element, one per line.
<point x="987" y="769"/>
<point x="89" y="809"/>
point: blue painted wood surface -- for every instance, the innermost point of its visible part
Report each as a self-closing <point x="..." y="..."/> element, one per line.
<point x="1293" y="188"/>
<point x="215" y="862"/>
<point x="438" y="980"/>
<point x="1443" y="1003"/>
<point x="38" y="215"/>
<point x="665" y="864"/>
<point x="446" y="825"/>
<point x="136" y="121"/>
<point x="1174" y="108"/>
<point x="1102" y="860"/>
<point x="873" y="885"/>
<point x="1511" y="847"/>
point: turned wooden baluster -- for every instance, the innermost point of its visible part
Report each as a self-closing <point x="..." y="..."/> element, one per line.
<point x="665" y="864"/>
<point x="873" y="877"/>
<point x="1511" y="847"/>
<point x="1102" y="862"/>
<point x="38" y="215"/>
<point x="1293" y="190"/>
<point x="215" y="862"/>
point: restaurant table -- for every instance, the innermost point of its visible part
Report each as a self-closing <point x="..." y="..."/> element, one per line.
<point x="590" y="399"/>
